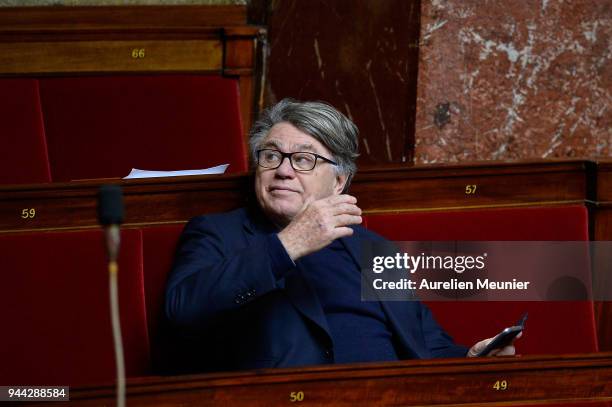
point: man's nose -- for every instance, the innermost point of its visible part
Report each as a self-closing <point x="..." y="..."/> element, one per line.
<point x="285" y="169"/>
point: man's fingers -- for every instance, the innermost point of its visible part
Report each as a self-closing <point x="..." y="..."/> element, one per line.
<point x="333" y="204"/>
<point x="340" y="199"/>
<point x="342" y="232"/>
<point x="478" y="347"/>
<point x="345" y="220"/>
<point x="506" y="351"/>
<point x="346" y="208"/>
<point x="319" y="223"/>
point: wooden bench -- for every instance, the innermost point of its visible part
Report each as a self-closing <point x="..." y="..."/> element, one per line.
<point x="91" y="92"/>
<point x="394" y="200"/>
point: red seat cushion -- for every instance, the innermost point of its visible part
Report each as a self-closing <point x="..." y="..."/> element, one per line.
<point x="55" y="309"/>
<point x="23" y="155"/>
<point x="99" y="127"/>
<point x="548" y="323"/>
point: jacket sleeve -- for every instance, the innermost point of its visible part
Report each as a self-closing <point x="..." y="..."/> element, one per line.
<point x="438" y="342"/>
<point x="215" y="272"/>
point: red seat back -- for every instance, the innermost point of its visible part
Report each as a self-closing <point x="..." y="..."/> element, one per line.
<point x="103" y="126"/>
<point x="552" y="327"/>
<point x="55" y="304"/>
<point x="23" y="154"/>
<point x="160" y="244"/>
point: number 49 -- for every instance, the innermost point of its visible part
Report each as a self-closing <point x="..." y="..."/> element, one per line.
<point x="500" y="385"/>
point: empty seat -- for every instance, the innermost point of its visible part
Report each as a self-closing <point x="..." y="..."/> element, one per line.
<point x="159" y="244"/>
<point x="55" y="306"/>
<point x="103" y="126"/>
<point x="23" y="154"/>
<point x="549" y="322"/>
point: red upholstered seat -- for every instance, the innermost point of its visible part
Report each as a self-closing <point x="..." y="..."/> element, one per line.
<point x="552" y="327"/>
<point x="551" y="223"/>
<point x="103" y="126"/>
<point x="55" y="309"/>
<point x="159" y="247"/>
<point x="23" y="154"/>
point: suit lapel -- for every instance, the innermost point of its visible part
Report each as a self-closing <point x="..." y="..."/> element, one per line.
<point x="397" y="312"/>
<point x="301" y="294"/>
<point x="305" y="299"/>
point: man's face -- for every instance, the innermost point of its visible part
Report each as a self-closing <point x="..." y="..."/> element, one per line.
<point x="283" y="192"/>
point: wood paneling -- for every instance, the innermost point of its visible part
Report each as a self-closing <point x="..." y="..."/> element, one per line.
<point x="69" y="41"/>
<point x="111" y="56"/>
<point x="603" y="231"/>
<point x="473" y="185"/>
<point x="529" y="379"/>
<point x="152" y="201"/>
<point x="604" y="186"/>
<point x="50" y="19"/>
<point x="436" y="187"/>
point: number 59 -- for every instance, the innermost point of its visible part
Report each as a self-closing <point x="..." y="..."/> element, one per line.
<point x="28" y="213"/>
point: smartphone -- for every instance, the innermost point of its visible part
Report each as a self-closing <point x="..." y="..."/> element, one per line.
<point x="505" y="337"/>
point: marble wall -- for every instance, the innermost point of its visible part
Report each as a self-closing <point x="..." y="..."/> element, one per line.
<point x="504" y="80"/>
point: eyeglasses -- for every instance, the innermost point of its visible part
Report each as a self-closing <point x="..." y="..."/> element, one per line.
<point x="300" y="161"/>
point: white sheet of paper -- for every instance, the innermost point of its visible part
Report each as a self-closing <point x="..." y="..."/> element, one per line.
<point x="136" y="173"/>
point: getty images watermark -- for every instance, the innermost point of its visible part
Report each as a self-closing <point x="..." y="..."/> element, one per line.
<point x="487" y="271"/>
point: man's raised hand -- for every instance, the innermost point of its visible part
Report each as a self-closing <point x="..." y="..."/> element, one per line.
<point x="320" y="223"/>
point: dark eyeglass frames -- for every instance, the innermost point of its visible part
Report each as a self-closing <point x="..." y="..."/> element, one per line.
<point x="300" y="160"/>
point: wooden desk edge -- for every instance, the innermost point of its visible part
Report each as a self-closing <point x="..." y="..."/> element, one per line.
<point x="362" y="371"/>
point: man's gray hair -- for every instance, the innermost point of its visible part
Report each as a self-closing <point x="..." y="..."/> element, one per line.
<point x="317" y="119"/>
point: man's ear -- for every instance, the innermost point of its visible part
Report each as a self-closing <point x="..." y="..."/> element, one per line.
<point x="341" y="180"/>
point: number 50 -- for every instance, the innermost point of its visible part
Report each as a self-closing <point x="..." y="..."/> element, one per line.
<point x="296" y="396"/>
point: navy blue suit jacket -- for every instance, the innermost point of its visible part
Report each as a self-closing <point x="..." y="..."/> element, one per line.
<point x="240" y="303"/>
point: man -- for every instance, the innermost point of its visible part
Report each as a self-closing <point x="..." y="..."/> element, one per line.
<point x="278" y="284"/>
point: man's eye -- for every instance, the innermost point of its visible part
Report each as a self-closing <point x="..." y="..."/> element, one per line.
<point x="302" y="159"/>
<point x="271" y="156"/>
